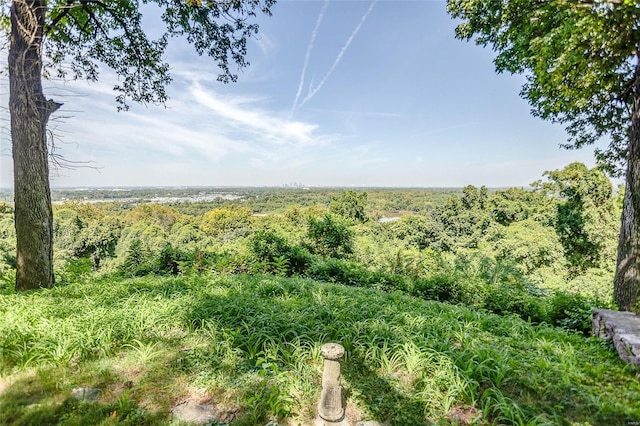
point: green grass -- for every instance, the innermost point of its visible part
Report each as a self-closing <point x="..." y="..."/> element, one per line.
<point x="251" y="345"/>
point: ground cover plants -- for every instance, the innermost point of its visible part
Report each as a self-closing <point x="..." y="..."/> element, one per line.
<point x="473" y="309"/>
<point x="251" y="344"/>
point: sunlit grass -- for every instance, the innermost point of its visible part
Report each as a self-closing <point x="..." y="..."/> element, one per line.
<point x="253" y="344"/>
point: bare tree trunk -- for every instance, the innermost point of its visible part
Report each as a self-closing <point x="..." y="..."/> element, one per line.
<point x="30" y="112"/>
<point x="627" y="279"/>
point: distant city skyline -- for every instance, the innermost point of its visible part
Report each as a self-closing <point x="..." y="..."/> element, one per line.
<point x="339" y="93"/>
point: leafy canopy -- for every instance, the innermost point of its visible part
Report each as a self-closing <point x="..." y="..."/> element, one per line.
<point x="579" y="57"/>
<point x="81" y="34"/>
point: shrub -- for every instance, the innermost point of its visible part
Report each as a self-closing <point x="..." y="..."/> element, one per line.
<point x="226" y="222"/>
<point x="571" y="311"/>
<point x="138" y="260"/>
<point x="330" y="236"/>
<point x="441" y="287"/>
<point x="170" y="260"/>
<point x="515" y="299"/>
<point x="272" y="253"/>
<point x="339" y="271"/>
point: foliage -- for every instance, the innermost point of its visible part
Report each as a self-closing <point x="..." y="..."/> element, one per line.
<point x="418" y="319"/>
<point x="460" y="252"/>
<point x="535" y="249"/>
<point x="252" y="343"/>
<point x="578" y="68"/>
<point x="80" y="35"/>
<point x="464" y="219"/>
<point x="420" y="232"/>
<point x="275" y="255"/>
<point x="584" y="220"/>
<point x="154" y="214"/>
<point x="582" y="67"/>
<point x="350" y="205"/>
<point x="330" y="236"/>
<point x="517" y="204"/>
<point x="226" y="221"/>
<point x="7" y="250"/>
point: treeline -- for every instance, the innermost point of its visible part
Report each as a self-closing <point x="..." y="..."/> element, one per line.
<point x="545" y="254"/>
<point x="259" y="200"/>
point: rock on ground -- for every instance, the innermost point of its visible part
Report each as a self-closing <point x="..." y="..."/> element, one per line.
<point x="199" y="413"/>
<point x="86" y="394"/>
<point x="623" y="328"/>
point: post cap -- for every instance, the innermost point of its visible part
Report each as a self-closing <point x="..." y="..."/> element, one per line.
<point x="332" y="351"/>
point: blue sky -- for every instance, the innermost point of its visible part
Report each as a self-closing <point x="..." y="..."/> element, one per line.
<point x="339" y="93"/>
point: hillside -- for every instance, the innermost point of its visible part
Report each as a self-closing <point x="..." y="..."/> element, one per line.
<point x="250" y="346"/>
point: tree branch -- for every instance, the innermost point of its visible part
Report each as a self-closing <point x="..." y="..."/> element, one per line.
<point x="65" y="11"/>
<point x="120" y="21"/>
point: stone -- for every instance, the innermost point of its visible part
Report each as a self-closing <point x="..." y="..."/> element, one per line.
<point x="194" y="413"/>
<point x="86" y="394"/>
<point x="623" y="328"/>
<point x="200" y="411"/>
<point x="332" y="351"/>
<point x="330" y="406"/>
<point x="368" y="423"/>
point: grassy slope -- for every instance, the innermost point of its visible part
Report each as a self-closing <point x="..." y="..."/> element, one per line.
<point x="250" y="345"/>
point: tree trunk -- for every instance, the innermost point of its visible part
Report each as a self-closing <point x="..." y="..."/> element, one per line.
<point x="30" y="112"/>
<point x="626" y="283"/>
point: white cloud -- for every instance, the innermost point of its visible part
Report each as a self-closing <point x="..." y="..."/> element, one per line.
<point x="269" y="126"/>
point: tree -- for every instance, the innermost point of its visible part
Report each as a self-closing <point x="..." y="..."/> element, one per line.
<point x="224" y="220"/>
<point x="69" y="39"/>
<point x="464" y="220"/>
<point x="350" y="205"/>
<point x="584" y="214"/>
<point x="517" y="204"/>
<point x="581" y="59"/>
<point x="330" y="236"/>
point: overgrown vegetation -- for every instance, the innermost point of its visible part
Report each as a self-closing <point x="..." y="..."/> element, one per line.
<point x="155" y="303"/>
<point x="251" y="344"/>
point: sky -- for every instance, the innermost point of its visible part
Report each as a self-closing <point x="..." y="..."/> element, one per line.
<point x="339" y="93"/>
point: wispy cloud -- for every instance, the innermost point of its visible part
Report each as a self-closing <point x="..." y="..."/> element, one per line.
<point x="242" y="114"/>
<point x="313" y="91"/>
<point x="307" y="55"/>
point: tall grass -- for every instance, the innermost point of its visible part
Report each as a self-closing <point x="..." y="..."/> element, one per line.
<point x="252" y="343"/>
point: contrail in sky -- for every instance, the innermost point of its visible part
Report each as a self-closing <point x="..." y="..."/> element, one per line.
<point x="307" y="56"/>
<point x="312" y="92"/>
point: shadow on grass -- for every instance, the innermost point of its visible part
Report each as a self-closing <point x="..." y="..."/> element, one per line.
<point x="45" y="398"/>
<point x="559" y="377"/>
<point x="283" y="314"/>
<point x="380" y="398"/>
<point x="27" y="402"/>
<point x="273" y="310"/>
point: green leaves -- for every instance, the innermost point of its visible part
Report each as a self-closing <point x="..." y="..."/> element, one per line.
<point x="579" y="59"/>
<point x="350" y="205"/>
<point x="81" y="35"/>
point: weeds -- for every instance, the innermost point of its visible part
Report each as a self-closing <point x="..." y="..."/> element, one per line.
<point x="253" y="342"/>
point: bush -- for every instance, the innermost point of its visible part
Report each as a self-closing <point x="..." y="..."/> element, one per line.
<point x="223" y="262"/>
<point x="138" y="260"/>
<point x="226" y="222"/>
<point x="339" y="271"/>
<point x="272" y="253"/>
<point x="330" y="236"/>
<point x="571" y="311"/>
<point x="504" y="299"/>
<point x="441" y="287"/>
